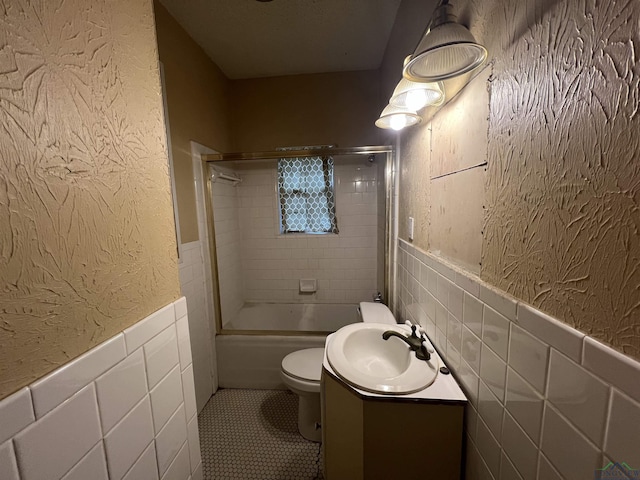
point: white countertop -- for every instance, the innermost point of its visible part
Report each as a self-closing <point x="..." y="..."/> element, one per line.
<point x="443" y="389"/>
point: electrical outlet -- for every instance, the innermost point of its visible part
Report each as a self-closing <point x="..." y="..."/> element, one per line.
<point x="411" y="222"/>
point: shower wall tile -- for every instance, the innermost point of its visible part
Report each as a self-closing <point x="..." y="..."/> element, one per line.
<point x="541" y="393"/>
<point x="106" y="421"/>
<point x="258" y="264"/>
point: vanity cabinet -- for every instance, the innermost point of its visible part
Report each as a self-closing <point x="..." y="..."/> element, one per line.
<point x="372" y="437"/>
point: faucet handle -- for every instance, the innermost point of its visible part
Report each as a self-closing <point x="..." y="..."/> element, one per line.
<point x="427" y="346"/>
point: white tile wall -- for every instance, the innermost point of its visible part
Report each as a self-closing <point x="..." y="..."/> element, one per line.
<point x="170" y="439"/>
<point x="40" y="456"/>
<point x="200" y="323"/>
<point x="107" y="421"/>
<point x="166" y="397"/>
<point x="578" y="395"/>
<point x="161" y="355"/>
<point x="120" y="388"/>
<point x="16" y="412"/>
<point x="50" y="391"/>
<point x="623" y="433"/>
<point x="569" y="451"/>
<point x="546" y="401"/>
<point x="8" y="467"/>
<point x="93" y="465"/>
<point x="344" y="265"/>
<point x="146" y="467"/>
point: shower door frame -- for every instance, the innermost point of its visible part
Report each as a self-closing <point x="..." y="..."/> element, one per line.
<point x="211" y="159"/>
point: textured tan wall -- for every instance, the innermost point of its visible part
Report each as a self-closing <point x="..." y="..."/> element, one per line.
<point x="87" y="243"/>
<point x="562" y="189"/>
<point x="320" y="109"/>
<point x="197" y="99"/>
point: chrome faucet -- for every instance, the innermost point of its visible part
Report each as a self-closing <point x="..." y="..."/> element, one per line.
<point x="414" y="341"/>
<point x="377" y="298"/>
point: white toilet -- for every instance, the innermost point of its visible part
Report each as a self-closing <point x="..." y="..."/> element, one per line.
<point x="301" y="372"/>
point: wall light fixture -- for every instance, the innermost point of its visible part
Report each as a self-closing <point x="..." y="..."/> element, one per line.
<point x="447" y="50"/>
<point x="397" y="118"/>
<point x="415" y="96"/>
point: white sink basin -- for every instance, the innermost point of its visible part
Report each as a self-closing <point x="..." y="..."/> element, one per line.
<point x="361" y="357"/>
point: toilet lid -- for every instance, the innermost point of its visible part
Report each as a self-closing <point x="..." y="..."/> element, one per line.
<point x="304" y="364"/>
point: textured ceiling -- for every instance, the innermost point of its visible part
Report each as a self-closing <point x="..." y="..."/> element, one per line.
<point x="250" y="39"/>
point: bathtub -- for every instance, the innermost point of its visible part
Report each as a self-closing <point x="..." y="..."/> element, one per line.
<point x="252" y="359"/>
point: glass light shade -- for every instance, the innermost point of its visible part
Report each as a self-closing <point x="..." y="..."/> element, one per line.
<point x="415" y="96"/>
<point x="447" y="50"/>
<point x="397" y="118"/>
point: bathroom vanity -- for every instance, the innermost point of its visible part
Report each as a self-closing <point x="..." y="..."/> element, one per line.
<point x="379" y="436"/>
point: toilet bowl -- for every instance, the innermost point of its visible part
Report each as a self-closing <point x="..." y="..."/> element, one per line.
<point x="301" y="372"/>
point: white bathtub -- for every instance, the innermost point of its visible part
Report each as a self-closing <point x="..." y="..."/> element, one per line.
<point x="253" y="361"/>
<point x="297" y="317"/>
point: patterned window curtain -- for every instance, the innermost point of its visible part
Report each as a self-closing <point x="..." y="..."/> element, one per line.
<point x="307" y="201"/>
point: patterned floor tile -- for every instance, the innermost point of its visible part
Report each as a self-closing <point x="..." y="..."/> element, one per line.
<point x="253" y="434"/>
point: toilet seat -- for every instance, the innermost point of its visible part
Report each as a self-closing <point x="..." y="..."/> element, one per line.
<point x="305" y="365"/>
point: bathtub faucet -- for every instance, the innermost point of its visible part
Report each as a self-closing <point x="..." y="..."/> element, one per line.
<point x="377" y="298"/>
<point x="416" y="343"/>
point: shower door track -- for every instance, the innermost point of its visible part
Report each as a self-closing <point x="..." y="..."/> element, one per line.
<point x="275" y="154"/>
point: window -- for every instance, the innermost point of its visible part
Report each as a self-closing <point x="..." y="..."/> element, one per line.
<point x="305" y="191"/>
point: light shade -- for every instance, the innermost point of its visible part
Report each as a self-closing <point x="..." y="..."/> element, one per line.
<point x="447" y="50"/>
<point x="397" y="118"/>
<point x="415" y="96"/>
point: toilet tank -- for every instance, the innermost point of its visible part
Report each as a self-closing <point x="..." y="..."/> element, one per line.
<point x="371" y="312"/>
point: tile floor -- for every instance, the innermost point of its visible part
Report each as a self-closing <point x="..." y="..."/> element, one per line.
<point x="253" y="434"/>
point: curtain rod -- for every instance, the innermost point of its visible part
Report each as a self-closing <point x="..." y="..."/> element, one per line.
<point x="226" y="157"/>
